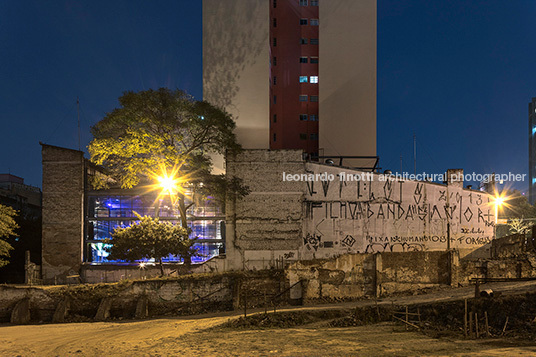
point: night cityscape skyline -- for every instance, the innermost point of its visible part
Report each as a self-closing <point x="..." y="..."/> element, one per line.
<point x="454" y="74"/>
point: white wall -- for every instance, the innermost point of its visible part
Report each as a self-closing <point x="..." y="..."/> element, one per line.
<point x="375" y="216"/>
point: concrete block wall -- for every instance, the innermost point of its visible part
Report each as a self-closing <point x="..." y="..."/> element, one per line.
<point x="266" y="225"/>
<point x="63" y="212"/>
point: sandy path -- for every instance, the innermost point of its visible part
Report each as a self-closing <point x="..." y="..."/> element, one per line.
<point x="185" y="336"/>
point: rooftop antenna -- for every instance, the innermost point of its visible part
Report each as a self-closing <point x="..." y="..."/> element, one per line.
<point x="414" y="154"/>
<point x="78" y="112"/>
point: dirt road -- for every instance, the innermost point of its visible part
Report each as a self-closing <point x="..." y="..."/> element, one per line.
<point x="186" y="336"/>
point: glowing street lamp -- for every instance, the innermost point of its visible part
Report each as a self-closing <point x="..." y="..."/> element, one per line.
<point x="168" y="183"/>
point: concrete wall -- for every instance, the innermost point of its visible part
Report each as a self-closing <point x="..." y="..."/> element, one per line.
<point x="184" y="295"/>
<point x="332" y="215"/>
<point x="63" y="213"/>
<point x="266" y="225"/>
<point x="376" y="214"/>
<point x="347" y="77"/>
<point x="353" y="276"/>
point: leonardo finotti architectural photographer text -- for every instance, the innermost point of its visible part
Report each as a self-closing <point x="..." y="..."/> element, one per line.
<point x="369" y="176"/>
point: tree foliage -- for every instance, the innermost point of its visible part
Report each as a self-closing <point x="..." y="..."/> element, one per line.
<point x="161" y="128"/>
<point x="516" y="206"/>
<point x="518" y="226"/>
<point x="151" y="238"/>
<point x="165" y="130"/>
<point x="7" y="229"/>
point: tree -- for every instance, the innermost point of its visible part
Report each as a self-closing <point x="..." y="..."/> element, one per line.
<point x="7" y="229"/>
<point x="516" y="205"/>
<point x="518" y="226"/>
<point x="165" y="134"/>
<point x="150" y="238"/>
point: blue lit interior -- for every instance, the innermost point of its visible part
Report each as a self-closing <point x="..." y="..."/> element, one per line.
<point x="106" y="213"/>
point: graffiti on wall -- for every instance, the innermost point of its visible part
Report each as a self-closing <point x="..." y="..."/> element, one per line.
<point x="393" y="215"/>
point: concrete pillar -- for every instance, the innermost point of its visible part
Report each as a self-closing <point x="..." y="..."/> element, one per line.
<point x="142" y="307"/>
<point x="103" y="312"/>
<point x="21" y="313"/>
<point x="62" y="310"/>
<point x="378" y="274"/>
<point x="63" y="212"/>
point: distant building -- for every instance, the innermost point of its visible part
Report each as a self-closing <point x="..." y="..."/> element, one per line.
<point x="77" y="219"/>
<point x="16" y="194"/>
<point x="26" y="200"/>
<point x="296" y="74"/>
<point x="532" y="151"/>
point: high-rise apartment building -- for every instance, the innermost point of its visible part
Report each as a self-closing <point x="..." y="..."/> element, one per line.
<point x="532" y="151"/>
<point x="295" y="74"/>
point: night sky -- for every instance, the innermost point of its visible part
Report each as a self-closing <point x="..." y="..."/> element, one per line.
<point x="458" y="74"/>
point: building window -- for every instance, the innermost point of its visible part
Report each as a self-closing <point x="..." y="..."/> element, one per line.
<point x="314" y="136"/>
<point x="314" y="98"/>
<point x="312" y="79"/>
<point x="314" y="41"/>
<point x="314" y="22"/>
<point x="303" y="41"/>
<point x="303" y="98"/>
<point x="275" y="22"/>
<point x="314" y="2"/>
<point x="314" y="59"/>
<point x="274" y="137"/>
<point x="303" y="59"/>
<point x="303" y="117"/>
<point x="303" y="136"/>
<point x="275" y="41"/>
<point x="275" y="98"/>
<point x="275" y="80"/>
<point x="275" y="61"/>
<point x="303" y="21"/>
<point x="275" y="118"/>
<point x="275" y="3"/>
<point x="313" y="117"/>
<point x="303" y="2"/>
<point x="303" y="79"/>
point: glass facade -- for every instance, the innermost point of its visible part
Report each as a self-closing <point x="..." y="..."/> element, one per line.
<point x="106" y="212"/>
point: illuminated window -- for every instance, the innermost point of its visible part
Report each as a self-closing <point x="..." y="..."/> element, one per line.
<point x="303" y="2"/>
<point x="314" y="136"/>
<point x="314" y="22"/>
<point x="303" y="136"/>
<point x="313" y="79"/>
<point x="303" y="21"/>
<point x="313" y="117"/>
<point x="314" y="2"/>
<point x="303" y="41"/>
<point x="314" y="41"/>
<point x="303" y="79"/>
<point x="303" y="98"/>
<point x="303" y="59"/>
<point x="303" y="117"/>
<point x="314" y="98"/>
<point x="314" y="59"/>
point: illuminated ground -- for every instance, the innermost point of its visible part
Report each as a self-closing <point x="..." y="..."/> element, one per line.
<point x="187" y="336"/>
<point x="184" y="337"/>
